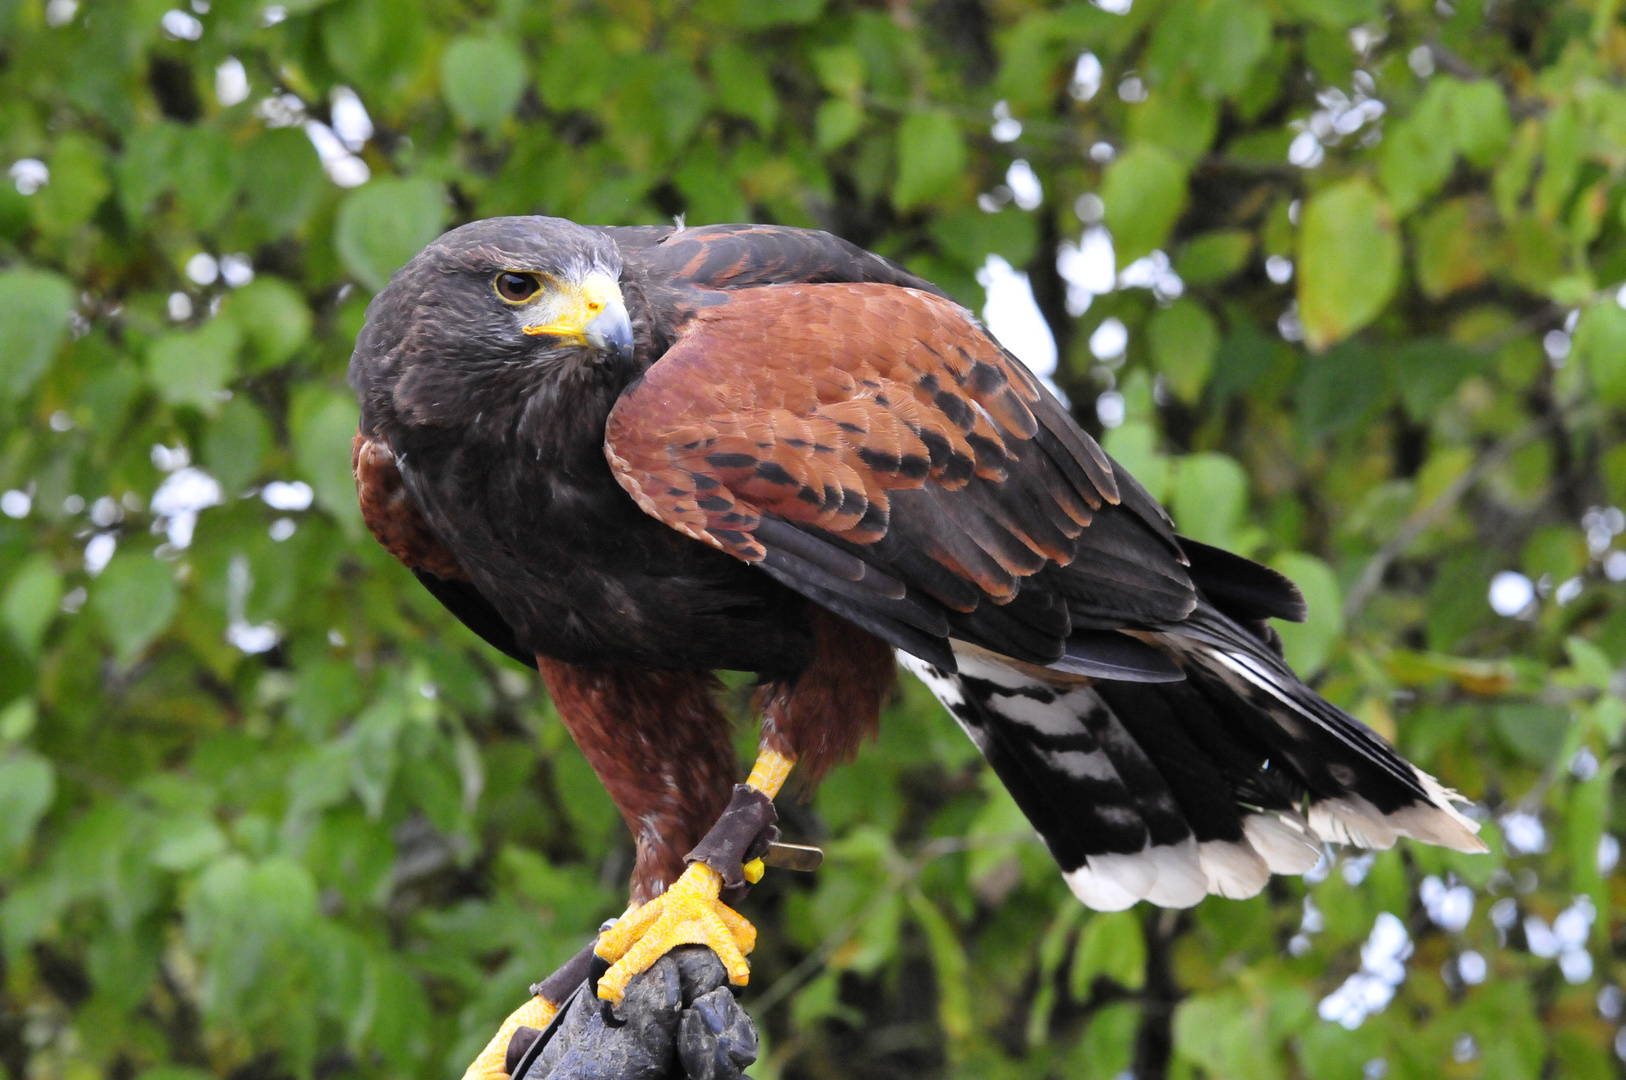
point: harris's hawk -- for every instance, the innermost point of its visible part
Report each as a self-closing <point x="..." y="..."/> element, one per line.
<point x="630" y="457"/>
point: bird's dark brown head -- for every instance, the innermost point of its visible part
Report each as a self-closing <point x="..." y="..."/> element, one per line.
<point x="486" y="316"/>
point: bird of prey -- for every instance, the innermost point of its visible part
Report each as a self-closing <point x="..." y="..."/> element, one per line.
<point x="630" y="457"/>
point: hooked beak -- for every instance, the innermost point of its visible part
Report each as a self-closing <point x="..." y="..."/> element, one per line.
<point x="610" y="331"/>
<point x="593" y="315"/>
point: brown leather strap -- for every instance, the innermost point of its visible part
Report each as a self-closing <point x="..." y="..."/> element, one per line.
<point x="558" y="986"/>
<point x="743" y="833"/>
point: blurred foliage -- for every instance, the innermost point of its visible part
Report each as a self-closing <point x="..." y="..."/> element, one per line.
<point x="267" y="811"/>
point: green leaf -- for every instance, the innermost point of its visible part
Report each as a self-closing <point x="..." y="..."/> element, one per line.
<point x="1217" y="41"/>
<point x="1177" y="117"/>
<point x="482" y="78"/>
<point x="931" y="158"/>
<point x="77" y="186"/>
<point x="404" y="1020"/>
<point x="1308" y="644"/>
<point x="1558" y="551"/>
<point x="1232" y="36"/>
<point x="1107" y="1049"/>
<point x="949" y="965"/>
<point x="282" y="180"/>
<point x="1532" y="254"/>
<point x="709" y="193"/>
<point x="1609" y="717"/>
<point x="322" y="424"/>
<point x="30" y="602"/>
<point x="970" y="236"/>
<point x="1214" y="257"/>
<point x="377" y="44"/>
<point x="1452" y="250"/>
<point x="1226" y="1034"/>
<point x="1111" y="946"/>
<point x="207" y="168"/>
<point x="18" y="720"/>
<point x="671" y="96"/>
<point x="1134" y="446"/>
<point x="1563" y="137"/>
<point x="193" y="367"/>
<point x="136" y="599"/>
<point x="27" y="786"/>
<point x="743" y="88"/>
<point x="1577" y="1056"/>
<point x="1512" y="175"/>
<point x="758" y="14"/>
<point x="1479" y="117"/>
<point x="1586" y="820"/>
<point x="1336" y="14"/>
<point x="1600" y="344"/>
<point x="1349" y="261"/>
<point x="1533" y="730"/>
<point x="1417" y="152"/>
<point x="273" y="317"/>
<point x="1590" y="663"/>
<point x="576" y="71"/>
<point x="1425" y="371"/>
<point x="373" y="766"/>
<point x="1184" y="339"/>
<point x="1144" y="192"/>
<point x="34" y="308"/>
<point x="145" y="170"/>
<point x="840" y="70"/>
<point x="384" y="223"/>
<point x="1210" y="498"/>
<point x="236" y="444"/>
<point x="1331" y="1052"/>
<point x="836" y="122"/>
<point x="176" y="1072"/>
<point x="188" y="842"/>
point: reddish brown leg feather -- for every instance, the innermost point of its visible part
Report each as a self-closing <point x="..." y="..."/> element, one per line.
<point x="662" y="748"/>
<point x="820" y="718"/>
<point x="392" y="515"/>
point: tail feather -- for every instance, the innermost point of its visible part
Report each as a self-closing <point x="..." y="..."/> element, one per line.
<point x="1170" y="791"/>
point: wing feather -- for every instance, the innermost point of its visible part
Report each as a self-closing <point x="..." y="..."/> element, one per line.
<point x="873" y="447"/>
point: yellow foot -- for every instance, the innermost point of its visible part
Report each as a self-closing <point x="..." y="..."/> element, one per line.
<point x="491" y="1064"/>
<point x="688" y="913"/>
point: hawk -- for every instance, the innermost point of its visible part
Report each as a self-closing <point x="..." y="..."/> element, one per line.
<point x="631" y="457"/>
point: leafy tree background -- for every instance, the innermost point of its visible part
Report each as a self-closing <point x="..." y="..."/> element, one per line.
<point x="266" y="811"/>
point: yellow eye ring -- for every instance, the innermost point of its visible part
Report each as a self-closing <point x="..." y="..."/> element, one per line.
<point x="516" y="288"/>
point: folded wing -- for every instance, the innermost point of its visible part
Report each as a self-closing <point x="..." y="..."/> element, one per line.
<point x="874" y="448"/>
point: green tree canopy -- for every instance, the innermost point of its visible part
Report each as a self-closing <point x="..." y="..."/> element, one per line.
<point x="1335" y="278"/>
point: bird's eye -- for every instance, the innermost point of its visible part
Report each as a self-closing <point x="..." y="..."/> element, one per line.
<point x="517" y="288"/>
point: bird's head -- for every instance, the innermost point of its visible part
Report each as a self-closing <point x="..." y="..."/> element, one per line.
<point x="489" y="312"/>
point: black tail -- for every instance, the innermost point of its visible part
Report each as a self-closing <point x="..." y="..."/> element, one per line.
<point x="1169" y="791"/>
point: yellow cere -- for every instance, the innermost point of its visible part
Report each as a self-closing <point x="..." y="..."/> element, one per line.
<point x="564" y="308"/>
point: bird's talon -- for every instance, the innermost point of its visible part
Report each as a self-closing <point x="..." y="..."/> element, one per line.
<point x="688" y="913"/>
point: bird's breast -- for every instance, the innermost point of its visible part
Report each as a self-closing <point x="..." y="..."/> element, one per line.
<point x="584" y="576"/>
